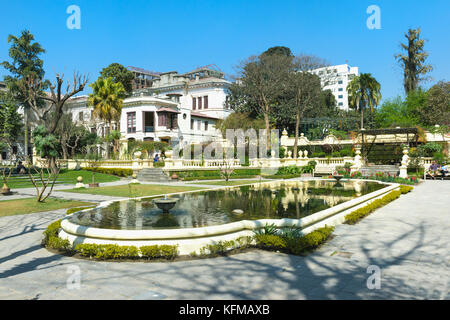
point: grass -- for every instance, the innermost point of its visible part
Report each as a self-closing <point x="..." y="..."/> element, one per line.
<point x="229" y="182"/>
<point x="134" y="190"/>
<point x="30" y="205"/>
<point x="65" y="177"/>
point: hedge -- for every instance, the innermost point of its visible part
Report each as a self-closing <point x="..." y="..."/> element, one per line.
<point x="76" y="209"/>
<point x="293" y="244"/>
<point x="106" y="251"/>
<point x="362" y="212"/>
<point x="121" y="172"/>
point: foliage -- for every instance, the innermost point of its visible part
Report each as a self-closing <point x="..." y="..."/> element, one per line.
<point x="413" y="63"/>
<point x="363" y="93"/>
<point x="380" y="176"/>
<point x="239" y="120"/>
<point x="159" y="251"/>
<point x="107" y="251"/>
<point x="76" y="209"/>
<point x="119" y="73"/>
<point x="267" y="229"/>
<point x="121" y="172"/>
<point x="107" y="99"/>
<point x="362" y="212"/>
<point x="46" y="144"/>
<point x="291" y="240"/>
<point x="10" y="122"/>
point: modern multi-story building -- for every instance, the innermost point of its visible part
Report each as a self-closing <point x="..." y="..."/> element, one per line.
<point x="336" y="79"/>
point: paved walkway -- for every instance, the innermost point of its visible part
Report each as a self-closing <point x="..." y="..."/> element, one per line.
<point x="407" y="239"/>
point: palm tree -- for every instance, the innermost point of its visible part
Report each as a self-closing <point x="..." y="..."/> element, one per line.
<point x="107" y="100"/>
<point x="363" y="92"/>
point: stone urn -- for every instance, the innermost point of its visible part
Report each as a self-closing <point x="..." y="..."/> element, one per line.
<point x="5" y="190"/>
<point x="174" y="176"/>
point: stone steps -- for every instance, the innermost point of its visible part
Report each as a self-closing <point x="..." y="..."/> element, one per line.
<point x="152" y="174"/>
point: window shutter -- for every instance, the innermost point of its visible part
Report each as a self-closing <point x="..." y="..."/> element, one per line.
<point x="194" y="106"/>
<point x="205" y="102"/>
<point x="199" y="99"/>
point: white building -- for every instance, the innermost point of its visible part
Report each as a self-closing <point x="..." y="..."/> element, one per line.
<point x="336" y="79"/>
<point x="172" y="108"/>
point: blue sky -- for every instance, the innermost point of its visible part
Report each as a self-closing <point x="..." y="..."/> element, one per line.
<point x="182" y="35"/>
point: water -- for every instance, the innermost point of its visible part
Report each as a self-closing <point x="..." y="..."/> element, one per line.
<point x="272" y="200"/>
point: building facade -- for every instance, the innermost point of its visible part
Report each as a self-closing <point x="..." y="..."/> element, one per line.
<point x="336" y="78"/>
<point x="167" y="107"/>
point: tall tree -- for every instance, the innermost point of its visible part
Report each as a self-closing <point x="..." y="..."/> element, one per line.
<point x="10" y="122"/>
<point x="107" y="99"/>
<point x="259" y="84"/>
<point x="24" y="52"/>
<point x="305" y="88"/>
<point x="413" y="63"/>
<point x="119" y="74"/>
<point x="363" y="93"/>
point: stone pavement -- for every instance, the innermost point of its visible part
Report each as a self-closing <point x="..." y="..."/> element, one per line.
<point x="407" y="239"/>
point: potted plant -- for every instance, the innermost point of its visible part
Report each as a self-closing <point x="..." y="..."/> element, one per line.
<point x="5" y="190"/>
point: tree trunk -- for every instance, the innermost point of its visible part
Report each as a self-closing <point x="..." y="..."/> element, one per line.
<point x="266" y="120"/>
<point x="297" y="124"/>
<point x="25" y="120"/>
<point x="362" y="118"/>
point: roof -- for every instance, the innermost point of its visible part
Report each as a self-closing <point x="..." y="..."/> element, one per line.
<point x="202" y="115"/>
<point x="167" y="110"/>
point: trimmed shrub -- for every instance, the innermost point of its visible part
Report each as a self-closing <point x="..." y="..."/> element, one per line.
<point x="155" y="251"/>
<point x="270" y="241"/>
<point x="121" y="172"/>
<point x="405" y="189"/>
<point x="107" y="251"/>
<point x="362" y="212"/>
<point x="73" y="210"/>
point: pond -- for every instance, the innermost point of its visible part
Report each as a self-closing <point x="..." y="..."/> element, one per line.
<point x="271" y="200"/>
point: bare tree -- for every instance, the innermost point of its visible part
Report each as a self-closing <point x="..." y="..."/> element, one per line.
<point x="32" y="90"/>
<point x="226" y="169"/>
<point x="46" y="178"/>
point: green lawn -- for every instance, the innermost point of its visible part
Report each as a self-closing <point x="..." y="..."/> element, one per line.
<point x="134" y="190"/>
<point x="229" y="182"/>
<point x="65" y="177"/>
<point x="30" y="205"/>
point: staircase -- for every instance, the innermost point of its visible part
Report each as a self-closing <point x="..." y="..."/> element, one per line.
<point x="391" y="169"/>
<point x="152" y="175"/>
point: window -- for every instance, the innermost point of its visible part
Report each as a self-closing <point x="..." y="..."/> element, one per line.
<point x="199" y="125"/>
<point x="131" y="122"/>
<point x="199" y="101"/>
<point x="194" y="105"/>
<point x="206" y="125"/>
<point x="205" y="102"/>
<point x="192" y="124"/>
<point x="340" y="104"/>
<point x="340" y="89"/>
<point x="340" y="82"/>
<point x="340" y="96"/>
<point x="80" y="115"/>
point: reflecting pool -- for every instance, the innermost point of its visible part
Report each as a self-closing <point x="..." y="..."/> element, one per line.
<point x="268" y="200"/>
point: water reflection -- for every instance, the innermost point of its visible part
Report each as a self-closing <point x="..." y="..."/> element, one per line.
<point x="274" y="200"/>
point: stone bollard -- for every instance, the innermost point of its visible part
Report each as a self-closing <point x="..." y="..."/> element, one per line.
<point x="134" y="180"/>
<point x="80" y="183"/>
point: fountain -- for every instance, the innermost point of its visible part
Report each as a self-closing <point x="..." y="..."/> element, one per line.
<point x="165" y="204"/>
